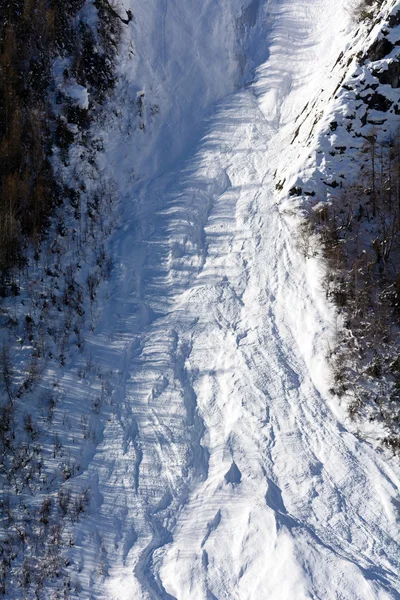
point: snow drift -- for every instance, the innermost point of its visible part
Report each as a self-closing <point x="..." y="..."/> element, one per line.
<point x="225" y="470"/>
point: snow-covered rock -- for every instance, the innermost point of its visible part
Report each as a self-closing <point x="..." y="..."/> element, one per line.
<point x="78" y="94"/>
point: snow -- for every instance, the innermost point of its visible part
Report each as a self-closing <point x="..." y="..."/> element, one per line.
<point x="78" y="94"/>
<point x="319" y="156"/>
<point x="68" y="86"/>
<point x="226" y="470"/>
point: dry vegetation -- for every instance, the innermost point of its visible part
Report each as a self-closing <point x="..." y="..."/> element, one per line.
<point x="363" y="9"/>
<point x="360" y="232"/>
<point x="43" y="215"/>
<point x="29" y="124"/>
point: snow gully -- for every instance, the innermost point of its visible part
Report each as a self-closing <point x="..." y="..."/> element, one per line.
<point x="229" y="472"/>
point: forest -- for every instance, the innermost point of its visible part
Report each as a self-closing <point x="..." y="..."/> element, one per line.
<point x="48" y="50"/>
<point x="35" y="117"/>
<point x="359" y="230"/>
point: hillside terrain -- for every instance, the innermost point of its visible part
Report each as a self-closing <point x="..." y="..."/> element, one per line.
<point x="349" y="190"/>
<point x="199" y="362"/>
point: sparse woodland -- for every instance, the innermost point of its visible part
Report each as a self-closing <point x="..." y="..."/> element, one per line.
<point x="357" y="225"/>
<point x="56" y="213"/>
<point x="360" y="233"/>
<point x="30" y="124"/>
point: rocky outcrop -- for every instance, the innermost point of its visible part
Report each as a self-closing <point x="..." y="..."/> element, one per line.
<point x="391" y="76"/>
<point x="380" y="49"/>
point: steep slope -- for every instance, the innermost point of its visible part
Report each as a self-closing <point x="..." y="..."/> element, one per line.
<point x="348" y="186"/>
<point x="213" y="462"/>
<point x="224" y="472"/>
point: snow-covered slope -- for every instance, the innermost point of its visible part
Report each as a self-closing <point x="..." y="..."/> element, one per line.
<point x="225" y="471"/>
<point x="178" y="59"/>
<point x="356" y="101"/>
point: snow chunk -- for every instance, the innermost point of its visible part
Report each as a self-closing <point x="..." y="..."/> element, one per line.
<point x="79" y="94"/>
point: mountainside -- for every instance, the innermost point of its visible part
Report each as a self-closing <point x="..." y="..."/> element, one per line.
<point x="349" y="189"/>
<point x="176" y="369"/>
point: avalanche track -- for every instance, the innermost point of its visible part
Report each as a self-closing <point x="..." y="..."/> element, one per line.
<point x="227" y="471"/>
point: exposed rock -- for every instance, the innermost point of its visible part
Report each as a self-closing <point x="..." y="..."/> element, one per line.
<point x="377" y="121"/>
<point x="370" y="138"/>
<point x="339" y="58"/>
<point x="333" y="184"/>
<point x="380" y="49"/>
<point x="391" y="75"/>
<point x="378" y="102"/>
<point x="295" y="191"/>
<point x="394" y="20"/>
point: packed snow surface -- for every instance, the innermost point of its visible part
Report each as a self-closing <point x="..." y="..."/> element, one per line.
<point x="227" y="471"/>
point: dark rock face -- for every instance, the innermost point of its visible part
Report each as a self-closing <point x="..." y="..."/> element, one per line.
<point x="391" y="76"/>
<point x="295" y="191"/>
<point x="233" y="475"/>
<point x="378" y="102"/>
<point x="380" y="49"/>
<point x="376" y="121"/>
<point x="333" y="184"/>
<point x="394" y="20"/>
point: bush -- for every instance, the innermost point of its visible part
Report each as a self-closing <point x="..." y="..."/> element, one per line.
<point x="362" y="10"/>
